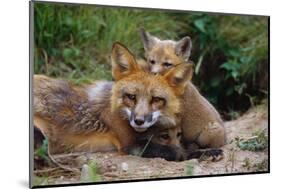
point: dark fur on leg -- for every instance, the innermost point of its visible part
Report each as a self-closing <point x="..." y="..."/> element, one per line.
<point x="213" y="154"/>
<point x="147" y="149"/>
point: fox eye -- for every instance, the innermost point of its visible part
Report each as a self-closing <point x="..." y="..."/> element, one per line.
<point x="152" y="61"/>
<point x="130" y="96"/>
<point x="157" y="100"/>
<point x="179" y="135"/>
<point x="164" y="136"/>
<point x="167" y="64"/>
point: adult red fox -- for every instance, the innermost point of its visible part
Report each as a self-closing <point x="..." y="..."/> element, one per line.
<point x="105" y="115"/>
<point x="200" y="121"/>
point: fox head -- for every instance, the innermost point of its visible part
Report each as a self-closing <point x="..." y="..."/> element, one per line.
<point x="162" y="55"/>
<point x="161" y="140"/>
<point x="169" y="137"/>
<point x="142" y="96"/>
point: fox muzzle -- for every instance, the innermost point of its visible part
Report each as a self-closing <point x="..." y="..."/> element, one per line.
<point x="141" y="123"/>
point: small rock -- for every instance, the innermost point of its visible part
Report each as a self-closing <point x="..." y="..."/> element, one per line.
<point x="80" y="160"/>
<point x="107" y="163"/>
<point x="124" y="166"/>
<point x="113" y="167"/>
<point x="109" y="166"/>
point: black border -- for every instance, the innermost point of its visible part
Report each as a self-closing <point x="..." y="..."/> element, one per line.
<point x="268" y="96"/>
<point x="31" y="49"/>
<point x="31" y="73"/>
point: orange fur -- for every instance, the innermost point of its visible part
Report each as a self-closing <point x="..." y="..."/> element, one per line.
<point x="102" y="134"/>
<point x="91" y="117"/>
<point x="131" y="79"/>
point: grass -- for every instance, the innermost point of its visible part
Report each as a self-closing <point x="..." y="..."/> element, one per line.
<point x="42" y="153"/>
<point x="231" y="158"/>
<point x="189" y="171"/>
<point x="258" y="142"/>
<point x="257" y="167"/>
<point x="40" y="181"/>
<point x="90" y="172"/>
<point x="233" y="114"/>
<point x="261" y="166"/>
<point x="145" y="147"/>
<point x="74" y="42"/>
<point x="247" y="164"/>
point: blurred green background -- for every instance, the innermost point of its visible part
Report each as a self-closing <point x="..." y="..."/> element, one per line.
<point x="230" y="52"/>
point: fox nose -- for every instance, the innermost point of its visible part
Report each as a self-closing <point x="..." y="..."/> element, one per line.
<point x="139" y="121"/>
<point x="154" y="73"/>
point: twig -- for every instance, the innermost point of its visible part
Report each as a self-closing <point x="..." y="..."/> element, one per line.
<point x="68" y="168"/>
<point x="46" y="170"/>
<point x="46" y="60"/>
<point x="144" y="148"/>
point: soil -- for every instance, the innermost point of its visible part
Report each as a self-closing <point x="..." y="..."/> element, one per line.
<point x="111" y="166"/>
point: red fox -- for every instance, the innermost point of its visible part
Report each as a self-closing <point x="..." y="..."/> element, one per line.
<point x="200" y="122"/>
<point x="105" y="115"/>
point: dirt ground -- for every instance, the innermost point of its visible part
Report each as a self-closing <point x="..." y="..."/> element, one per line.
<point x="111" y="167"/>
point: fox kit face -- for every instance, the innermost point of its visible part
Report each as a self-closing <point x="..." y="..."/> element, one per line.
<point x="145" y="97"/>
<point x="170" y="137"/>
<point x="162" y="55"/>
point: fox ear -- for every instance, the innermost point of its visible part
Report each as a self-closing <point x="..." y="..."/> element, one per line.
<point x="148" y="40"/>
<point x="122" y="61"/>
<point x="179" y="76"/>
<point x="183" y="48"/>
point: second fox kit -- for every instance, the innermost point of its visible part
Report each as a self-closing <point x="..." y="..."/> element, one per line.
<point x="160" y="142"/>
<point x="200" y="122"/>
<point x="68" y="114"/>
<point x="167" y="143"/>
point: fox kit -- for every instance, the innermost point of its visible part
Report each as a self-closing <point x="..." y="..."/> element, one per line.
<point x="162" y="55"/>
<point x="200" y="122"/>
<point x="105" y="115"/>
<point x="167" y="143"/>
<point x="159" y="142"/>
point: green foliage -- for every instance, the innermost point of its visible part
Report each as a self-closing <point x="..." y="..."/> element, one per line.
<point x="40" y="181"/>
<point x="247" y="164"/>
<point x="189" y="171"/>
<point x="42" y="151"/>
<point x="73" y="41"/>
<point x="258" y="142"/>
<point x="94" y="175"/>
<point x="261" y="166"/>
<point x="230" y="52"/>
<point x="91" y="173"/>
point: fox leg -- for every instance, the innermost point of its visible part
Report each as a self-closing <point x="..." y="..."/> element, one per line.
<point x="116" y="142"/>
<point x="212" y="136"/>
<point x="193" y="151"/>
<point x="212" y="154"/>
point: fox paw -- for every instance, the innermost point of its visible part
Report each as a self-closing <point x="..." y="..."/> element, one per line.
<point x="212" y="154"/>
